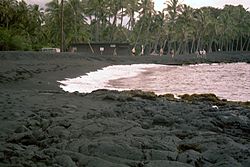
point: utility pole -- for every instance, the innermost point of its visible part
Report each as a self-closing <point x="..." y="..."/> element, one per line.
<point x="62" y="28"/>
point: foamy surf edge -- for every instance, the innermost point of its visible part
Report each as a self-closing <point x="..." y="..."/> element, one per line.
<point x="99" y="79"/>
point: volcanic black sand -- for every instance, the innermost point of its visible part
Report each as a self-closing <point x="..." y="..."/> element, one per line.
<point x="41" y="125"/>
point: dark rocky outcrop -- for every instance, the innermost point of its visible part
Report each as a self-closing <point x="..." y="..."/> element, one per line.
<point x="42" y="126"/>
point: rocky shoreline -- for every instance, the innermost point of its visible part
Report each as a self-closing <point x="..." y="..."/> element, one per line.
<point x="41" y="125"/>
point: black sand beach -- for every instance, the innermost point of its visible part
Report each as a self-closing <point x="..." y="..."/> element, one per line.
<point x="41" y="125"/>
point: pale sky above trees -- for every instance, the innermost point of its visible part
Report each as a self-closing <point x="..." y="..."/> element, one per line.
<point x="159" y="4"/>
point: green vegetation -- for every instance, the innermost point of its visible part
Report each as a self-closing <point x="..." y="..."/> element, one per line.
<point x="178" y="26"/>
<point x="142" y="94"/>
<point x="201" y="97"/>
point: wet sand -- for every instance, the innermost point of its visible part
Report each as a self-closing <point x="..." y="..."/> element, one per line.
<point x="41" y="125"/>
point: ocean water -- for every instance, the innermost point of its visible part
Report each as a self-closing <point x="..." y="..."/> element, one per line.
<point x="228" y="81"/>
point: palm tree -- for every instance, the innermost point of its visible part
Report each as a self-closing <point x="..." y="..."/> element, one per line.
<point x="241" y="17"/>
<point x="62" y="25"/>
<point x="77" y="32"/>
<point x="143" y="26"/>
<point x="212" y="28"/>
<point x="185" y="29"/>
<point x="53" y="22"/>
<point x="34" y="26"/>
<point x="158" y="31"/>
<point x="7" y="12"/>
<point x="98" y="11"/>
<point x="178" y="27"/>
<point x="21" y="22"/>
<point x="228" y="28"/>
<point x="130" y="10"/>
<point x="173" y="10"/>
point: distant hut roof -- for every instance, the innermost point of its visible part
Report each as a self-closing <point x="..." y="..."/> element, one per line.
<point x="101" y="48"/>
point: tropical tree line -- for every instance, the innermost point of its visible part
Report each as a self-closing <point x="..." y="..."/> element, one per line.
<point x="178" y="27"/>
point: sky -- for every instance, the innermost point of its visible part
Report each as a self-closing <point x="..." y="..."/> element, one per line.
<point x="159" y="4"/>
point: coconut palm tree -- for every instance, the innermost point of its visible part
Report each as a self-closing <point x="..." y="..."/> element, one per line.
<point x="21" y="22"/>
<point x="53" y="22"/>
<point x="173" y="10"/>
<point x="79" y="31"/>
<point x="240" y="18"/>
<point x="131" y="9"/>
<point x="184" y="29"/>
<point x="98" y="12"/>
<point x="228" y="29"/>
<point x="7" y="12"/>
<point x="146" y="13"/>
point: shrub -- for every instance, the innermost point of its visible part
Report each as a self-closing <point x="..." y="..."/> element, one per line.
<point x="10" y="41"/>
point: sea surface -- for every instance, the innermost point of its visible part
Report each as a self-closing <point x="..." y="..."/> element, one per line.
<point x="228" y="81"/>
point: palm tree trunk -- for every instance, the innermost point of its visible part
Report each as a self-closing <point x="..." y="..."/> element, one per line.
<point x="248" y="44"/>
<point x="237" y="44"/>
<point x="97" y="26"/>
<point x="232" y="45"/>
<point x="227" y="45"/>
<point x="198" y="44"/>
<point x="186" y="47"/>
<point x="221" y="45"/>
<point x="241" y="43"/>
<point x="62" y="28"/>
<point x="216" y="47"/>
<point x="132" y="20"/>
<point x="155" y="45"/>
<point x="169" y="47"/>
<point x="113" y="27"/>
<point x="164" y="44"/>
<point x="179" y="50"/>
<point x="122" y="17"/>
<point x="210" y="45"/>
<point x="115" y="20"/>
<point x="244" y="45"/>
<point x="192" y="46"/>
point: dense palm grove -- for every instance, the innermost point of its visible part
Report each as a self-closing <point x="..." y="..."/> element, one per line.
<point x="178" y="26"/>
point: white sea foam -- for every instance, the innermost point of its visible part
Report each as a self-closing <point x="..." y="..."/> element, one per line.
<point x="228" y="81"/>
<point x="99" y="79"/>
